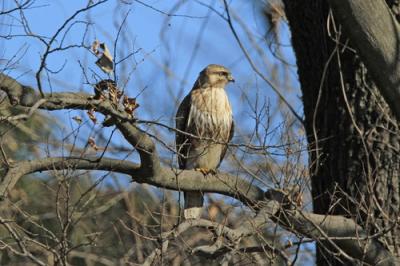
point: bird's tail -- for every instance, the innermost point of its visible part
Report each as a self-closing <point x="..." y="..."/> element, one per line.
<point x="193" y="205"/>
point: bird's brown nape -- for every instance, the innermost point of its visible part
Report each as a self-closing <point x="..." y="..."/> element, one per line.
<point x="214" y="76"/>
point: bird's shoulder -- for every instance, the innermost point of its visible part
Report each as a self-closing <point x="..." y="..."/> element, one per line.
<point x="184" y="105"/>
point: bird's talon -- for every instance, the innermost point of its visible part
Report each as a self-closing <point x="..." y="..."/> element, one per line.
<point x="205" y="171"/>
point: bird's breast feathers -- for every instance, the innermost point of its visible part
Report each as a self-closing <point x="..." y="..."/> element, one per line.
<point x="210" y="114"/>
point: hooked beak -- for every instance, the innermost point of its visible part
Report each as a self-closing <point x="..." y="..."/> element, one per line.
<point x="230" y="78"/>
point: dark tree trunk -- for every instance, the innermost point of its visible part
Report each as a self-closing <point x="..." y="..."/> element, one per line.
<point x="354" y="139"/>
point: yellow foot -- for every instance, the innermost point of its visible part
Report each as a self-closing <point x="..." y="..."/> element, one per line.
<point x="206" y="171"/>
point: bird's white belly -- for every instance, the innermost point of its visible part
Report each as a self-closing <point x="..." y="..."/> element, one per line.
<point x="210" y="119"/>
<point x="211" y="114"/>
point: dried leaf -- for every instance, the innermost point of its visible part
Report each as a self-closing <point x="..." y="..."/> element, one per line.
<point x="108" y="121"/>
<point x="213" y="212"/>
<point x="91" y="115"/>
<point x="105" y="61"/>
<point x="119" y="94"/>
<point x="274" y="12"/>
<point x="113" y="95"/>
<point x="78" y="119"/>
<point x="104" y="84"/>
<point x="298" y="199"/>
<point x="101" y="87"/>
<point x="95" y="47"/>
<point x="92" y="143"/>
<point x="130" y="105"/>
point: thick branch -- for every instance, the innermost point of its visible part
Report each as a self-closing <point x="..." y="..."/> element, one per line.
<point x="180" y="180"/>
<point x="350" y="240"/>
<point x="343" y="232"/>
<point x="22" y="168"/>
<point x="375" y="33"/>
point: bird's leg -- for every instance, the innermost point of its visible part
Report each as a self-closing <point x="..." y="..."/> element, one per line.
<point x="206" y="171"/>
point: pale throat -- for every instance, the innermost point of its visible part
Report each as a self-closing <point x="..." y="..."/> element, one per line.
<point x="212" y="101"/>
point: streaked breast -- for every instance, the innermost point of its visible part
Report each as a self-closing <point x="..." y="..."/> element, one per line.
<point x="210" y="114"/>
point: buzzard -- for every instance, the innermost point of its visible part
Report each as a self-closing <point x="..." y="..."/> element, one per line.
<point x="205" y="126"/>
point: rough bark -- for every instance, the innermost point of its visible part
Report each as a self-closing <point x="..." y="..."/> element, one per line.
<point x="375" y="33"/>
<point x="353" y="135"/>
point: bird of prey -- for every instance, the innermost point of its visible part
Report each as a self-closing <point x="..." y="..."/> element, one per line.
<point x="204" y="127"/>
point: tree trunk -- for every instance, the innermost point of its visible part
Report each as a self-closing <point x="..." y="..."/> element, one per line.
<point x="353" y="136"/>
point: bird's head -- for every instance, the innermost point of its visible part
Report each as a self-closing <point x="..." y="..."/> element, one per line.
<point x="216" y="76"/>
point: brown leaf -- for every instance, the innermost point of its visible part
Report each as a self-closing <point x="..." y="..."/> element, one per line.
<point x="78" y="119"/>
<point x="92" y="143"/>
<point x="213" y="212"/>
<point x="114" y="94"/>
<point x="289" y="244"/>
<point x="91" y="115"/>
<point x="102" y="87"/>
<point x="130" y="104"/>
<point x="274" y="12"/>
<point x="105" y="61"/>
<point x="298" y="199"/>
<point x="95" y="47"/>
<point x="119" y="94"/>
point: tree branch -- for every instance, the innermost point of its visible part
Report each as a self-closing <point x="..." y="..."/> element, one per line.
<point x="218" y="247"/>
<point x="184" y="180"/>
<point x="26" y="96"/>
<point x="345" y="235"/>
